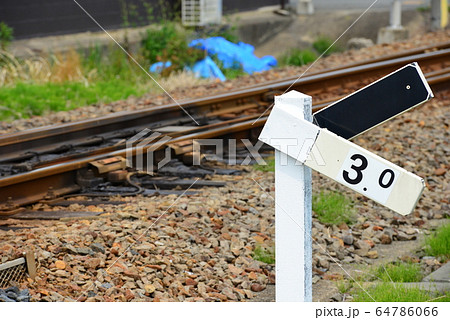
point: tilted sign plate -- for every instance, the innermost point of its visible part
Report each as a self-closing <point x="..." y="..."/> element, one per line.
<point x="376" y="103"/>
<point x="365" y="172"/>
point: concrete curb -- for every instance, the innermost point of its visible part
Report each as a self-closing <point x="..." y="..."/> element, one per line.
<point x="440" y="275"/>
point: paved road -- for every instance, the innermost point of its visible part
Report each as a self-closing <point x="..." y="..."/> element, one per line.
<point x="363" y="4"/>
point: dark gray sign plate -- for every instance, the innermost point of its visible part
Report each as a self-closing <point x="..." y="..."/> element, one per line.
<point x="376" y="103"/>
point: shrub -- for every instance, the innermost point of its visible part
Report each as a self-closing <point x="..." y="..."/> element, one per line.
<point x="297" y="57"/>
<point x="169" y="44"/>
<point x="6" y="35"/>
<point x="324" y="45"/>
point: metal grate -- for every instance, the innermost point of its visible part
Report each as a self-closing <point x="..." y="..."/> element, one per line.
<point x="201" y="12"/>
<point x="12" y="271"/>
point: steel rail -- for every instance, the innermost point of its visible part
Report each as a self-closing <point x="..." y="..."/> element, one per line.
<point x="33" y="186"/>
<point x="23" y="144"/>
<point x="62" y="176"/>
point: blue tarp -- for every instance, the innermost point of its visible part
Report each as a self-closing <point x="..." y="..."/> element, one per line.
<point x="206" y="68"/>
<point x="158" y="67"/>
<point x="231" y="55"/>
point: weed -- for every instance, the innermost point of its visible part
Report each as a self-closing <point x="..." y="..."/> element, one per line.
<point x="388" y="285"/>
<point x="399" y="272"/>
<point x="229" y="73"/>
<point x="27" y="99"/>
<point x="269" y="167"/>
<point x="297" y="57"/>
<point x="110" y="63"/>
<point x="333" y="208"/>
<point x="66" y="67"/>
<point x="324" y="45"/>
<point x="6" y="35"/>
<point x="438" y="243"/>
<point x="264" y="255"/>
<point x="344" y="286"/>
<point x="391" y="292"/>
<point x="130" y="14"/>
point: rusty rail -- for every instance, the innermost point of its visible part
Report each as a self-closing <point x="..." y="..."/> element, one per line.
<point x="59" y="177"/>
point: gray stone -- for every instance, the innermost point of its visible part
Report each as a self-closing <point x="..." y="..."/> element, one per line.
<point x="23" y="298"/>
<point x="362" y="252"/>
<point x="323" y="262"/>
<point x="360" y="244"/>
<point x="12" y="295"/>
<point x="97" y="247"/>
<point x="25" y="292"/>
<point x="46" y="254"/>
<point x="348" y="239"/>
<point x="4" y="298"/>
<point x="340" y="255"/>
<point x="368" y="233"/>
<point x="81" y="251"/>
<point x="359" y="43"/>
<point x="401" y="236"/>
<point x="106" y="285"/>
<point x="337" y="297"/>
<point x="13" y="289"/>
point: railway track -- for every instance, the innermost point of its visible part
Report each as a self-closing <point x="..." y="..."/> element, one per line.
<point x="49" y="162"/>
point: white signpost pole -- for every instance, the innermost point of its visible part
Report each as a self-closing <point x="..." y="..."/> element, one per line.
<point x="293" y="194"/>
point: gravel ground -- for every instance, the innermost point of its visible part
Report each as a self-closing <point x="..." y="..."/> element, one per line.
<point x="199" y="247"/>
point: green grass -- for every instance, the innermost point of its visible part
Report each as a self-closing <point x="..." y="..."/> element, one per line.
<point x="264" y="255"/>
<point x="391" y="292"/>
<point x="324" y="45"/>
<point x="100" y="75"/>
<point x="388" y="288"/>
<point x="297" y="57"/>
<point x="97" y="75"/>
<point x="438" y="243"/>
<point x="333" y="208"/>
<point x="232" y="73"/>
<point x="424" y="9"/>
<point x="399" y="272"/>
<point x="26" y="99"/>
<point x="269" y="167"/>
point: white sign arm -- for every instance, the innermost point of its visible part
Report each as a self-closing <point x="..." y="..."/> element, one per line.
<point x="343" y="161"/>
<point x="366" y="173"/>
